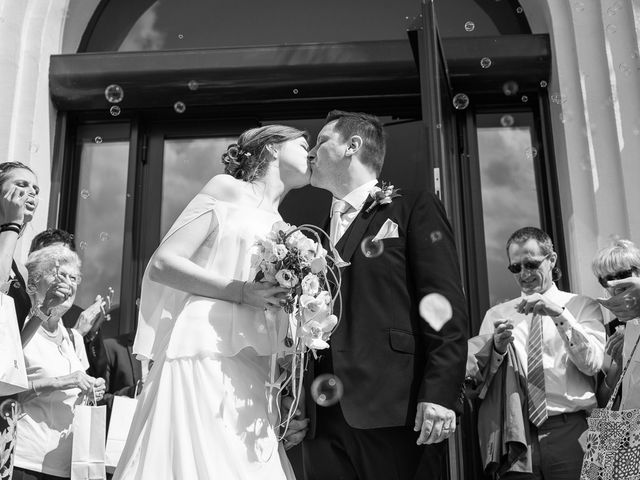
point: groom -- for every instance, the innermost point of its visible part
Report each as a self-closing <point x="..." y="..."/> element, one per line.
<point x="402" y="379"/>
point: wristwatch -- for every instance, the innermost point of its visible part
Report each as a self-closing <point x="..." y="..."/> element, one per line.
<point x="37" y="312"/>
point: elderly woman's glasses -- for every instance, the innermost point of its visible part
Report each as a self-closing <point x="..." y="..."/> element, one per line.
<point x="527" y="264"/>
<point x="621" y="275"/>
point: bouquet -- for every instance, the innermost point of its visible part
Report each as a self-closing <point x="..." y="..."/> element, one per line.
<point x="289" y="258"/>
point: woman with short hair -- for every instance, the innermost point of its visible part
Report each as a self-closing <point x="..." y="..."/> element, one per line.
<point x="56" y="363"/>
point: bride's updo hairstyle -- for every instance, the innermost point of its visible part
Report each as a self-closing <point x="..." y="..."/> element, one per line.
<point x="249" y="159"/>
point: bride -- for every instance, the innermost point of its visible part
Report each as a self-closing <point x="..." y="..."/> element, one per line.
<point x="205" y="411"/>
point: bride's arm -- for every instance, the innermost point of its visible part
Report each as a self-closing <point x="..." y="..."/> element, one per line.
<point x="171" y="265"/>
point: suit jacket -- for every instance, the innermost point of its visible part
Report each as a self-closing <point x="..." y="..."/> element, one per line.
<point x="386" y="355"/>
<point x="123" y="370"/>
<point x="503" y="416"/>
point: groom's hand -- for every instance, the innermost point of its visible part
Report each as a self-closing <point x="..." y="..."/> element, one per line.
<point x="434" y="422"/>
<point x="298" y="426"/>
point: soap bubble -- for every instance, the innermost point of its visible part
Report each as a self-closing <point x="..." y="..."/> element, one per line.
<point x="83" y="245"/>
<point x="10" y="408"/>
<point x="180" y="36"/>
<point x="104" y="236"/>
<point x="531" y="153"/>
<point x="84" y="193"/>
<point x="193" y="85"/>
<point x="485" y="62"/>
<point x="460" y="101"/>
<point x="295" y="91"/>
<point x="543" y="84"/>
<point x="326" y="390"/>
<point x="98" y="140"/>
<point x="436" y="310"/>
<point x="33" y="147"/>
<point x="179" y="107"/>
<point x="469" y="26"/>
<point x="436" y="236"/>
<point x="115" y="111"/>
<point x="507" y="120"/>
<point x="510" y="88"/>
<point x="579" y="6"/>
<point x="519" y="10"/>
<point x="611" y="29"/>
<point x="371" y="248"/>
<point x="114" y="93"/>
<point x="524" y="99"/>
<point x="558" y="98"/>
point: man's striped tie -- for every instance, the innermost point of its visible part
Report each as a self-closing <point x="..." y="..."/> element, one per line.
<point x="535" y="377"/>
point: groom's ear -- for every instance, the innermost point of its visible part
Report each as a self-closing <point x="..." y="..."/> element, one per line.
<point x="355" y="144"/>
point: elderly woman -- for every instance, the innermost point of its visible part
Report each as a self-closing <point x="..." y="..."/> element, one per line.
<point x="616" y="266"/>
<point x="56" y="364"/>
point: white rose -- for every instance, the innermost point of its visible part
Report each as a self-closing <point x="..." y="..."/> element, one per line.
<point x="310" y="284"/>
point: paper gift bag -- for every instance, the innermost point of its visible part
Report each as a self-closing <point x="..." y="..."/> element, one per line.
<point x="89" y="429"/>
<point x="122" y="411"/>
<point x="13" y="375"/>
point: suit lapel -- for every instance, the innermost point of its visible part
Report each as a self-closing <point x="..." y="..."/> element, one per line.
<point x="351" y="239"/>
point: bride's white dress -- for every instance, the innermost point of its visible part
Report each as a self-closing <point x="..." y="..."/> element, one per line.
<point x="205" y="411"/>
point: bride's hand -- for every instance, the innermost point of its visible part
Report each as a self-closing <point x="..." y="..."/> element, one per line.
<point x="262" y="295"/>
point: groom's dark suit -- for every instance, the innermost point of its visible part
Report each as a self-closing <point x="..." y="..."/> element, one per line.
<point x="386" y="355"/>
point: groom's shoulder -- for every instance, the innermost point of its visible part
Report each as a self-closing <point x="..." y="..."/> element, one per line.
<point x="411" y="197"/>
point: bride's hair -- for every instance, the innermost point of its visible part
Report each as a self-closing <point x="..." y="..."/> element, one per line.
<point x="249" y="159"/>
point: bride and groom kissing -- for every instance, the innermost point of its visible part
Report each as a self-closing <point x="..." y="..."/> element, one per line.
<point x="204" y="413"/>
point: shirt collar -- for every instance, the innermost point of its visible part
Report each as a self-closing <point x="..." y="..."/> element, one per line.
<point x="357" y="196"/>
<point x="552" y="293"/>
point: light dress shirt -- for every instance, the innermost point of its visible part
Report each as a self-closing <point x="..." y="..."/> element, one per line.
<point x="572" y="350"/>
<point x="356" y="199"/>
<point x="631" y="382"/>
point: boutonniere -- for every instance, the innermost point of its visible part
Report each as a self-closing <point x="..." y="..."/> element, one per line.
<point x="382" y="195"/>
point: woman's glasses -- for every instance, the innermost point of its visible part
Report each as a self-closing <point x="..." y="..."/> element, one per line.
<point x="527" y="264"/>
<point x="621" y="275"/>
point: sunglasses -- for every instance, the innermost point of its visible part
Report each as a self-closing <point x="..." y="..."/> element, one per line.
<point x="621" y="275"/>
<point x="527" y="264"/>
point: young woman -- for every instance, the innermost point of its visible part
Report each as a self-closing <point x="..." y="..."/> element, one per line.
<point x="204" y="411"/>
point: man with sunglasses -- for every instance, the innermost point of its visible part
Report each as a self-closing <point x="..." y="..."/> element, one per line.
<point x="558" y="338"/>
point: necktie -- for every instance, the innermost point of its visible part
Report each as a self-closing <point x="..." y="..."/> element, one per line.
<point x="535" y="377"/>
<point x="336" y="228"/>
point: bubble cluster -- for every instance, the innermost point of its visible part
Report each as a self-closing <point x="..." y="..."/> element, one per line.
<point x="485" y="62"/>
<point x="114" y="93"/>
<point x="469" y="26"/>
<point x="558" y="98"/>
<point x="179" y="107"/>
<point x="460" y="101"/>
<point x="327" y="390"/>
<point x="507" y="121"/>
<point x="115" y="111"/>
<point x="84" y="193"/>
<point x="371" y="248"/>
<point x="510" y="88"/>
<point x="436" y="310"/>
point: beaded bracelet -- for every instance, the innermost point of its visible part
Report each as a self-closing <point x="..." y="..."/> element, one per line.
<point x="10" y="227"/>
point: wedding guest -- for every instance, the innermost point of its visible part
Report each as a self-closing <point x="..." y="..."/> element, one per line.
<point x="123" y="375"/>
<point x="18" y="202"/>
<point x="559" y="337"/>
<point x="618" y="266"/>
<point x="86" y="321"/>
<point x="56" y="362"/>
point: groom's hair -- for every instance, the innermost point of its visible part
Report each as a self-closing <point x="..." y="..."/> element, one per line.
<point x="369" y="128"/>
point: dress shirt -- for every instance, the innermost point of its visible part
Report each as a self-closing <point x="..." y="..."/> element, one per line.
<point x="356" y="199"/>
<point x="631" y="381"/>
<point x="572" y="350"/>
